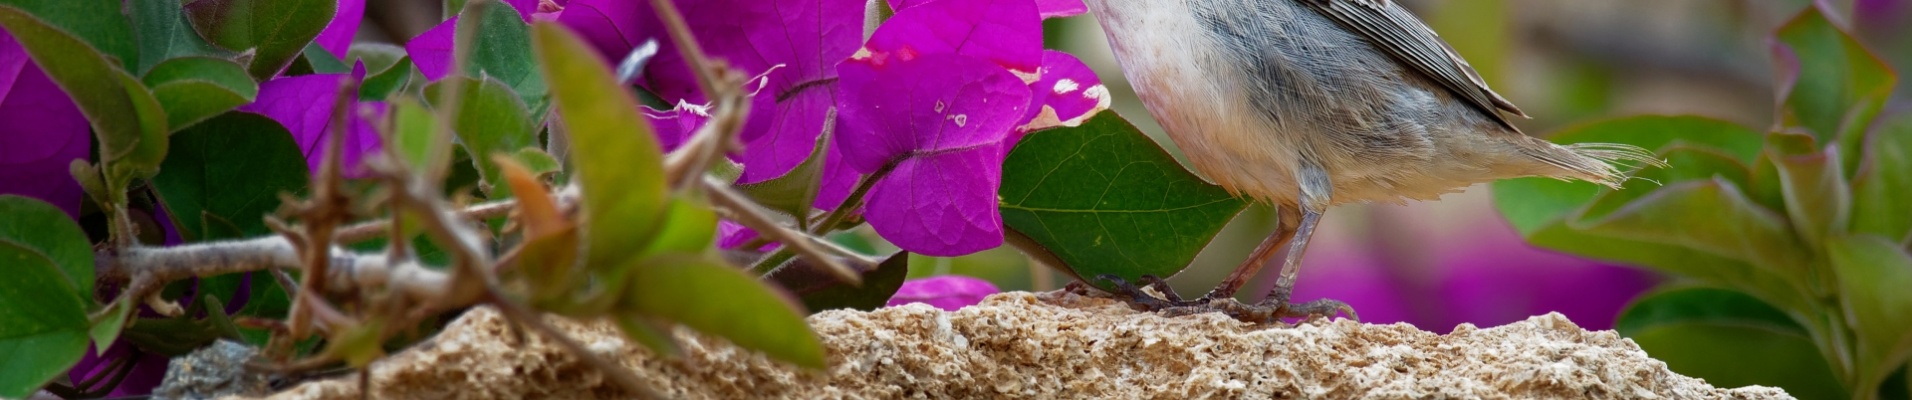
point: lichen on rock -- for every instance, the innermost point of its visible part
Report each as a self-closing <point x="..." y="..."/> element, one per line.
<point x="1052" y="345"/>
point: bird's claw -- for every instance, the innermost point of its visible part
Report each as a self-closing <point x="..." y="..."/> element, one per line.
<point x="1170" y="304"/>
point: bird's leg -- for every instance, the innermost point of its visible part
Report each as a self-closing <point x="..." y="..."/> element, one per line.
<point x="1315" y="189"/>
<point x="1277" y="301"/>
<point x="1289" y="217"/>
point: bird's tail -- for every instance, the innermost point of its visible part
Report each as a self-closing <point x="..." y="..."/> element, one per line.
<point x="1599" y="163"/>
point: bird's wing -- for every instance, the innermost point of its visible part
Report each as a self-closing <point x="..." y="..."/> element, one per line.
<point x="1399" y="34"/>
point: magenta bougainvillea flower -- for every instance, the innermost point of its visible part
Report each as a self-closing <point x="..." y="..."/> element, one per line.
<point x="937" y="122"/>
<point x="304" y="105"/>
<point x="1066" y="94"/>
<point x="977" y="68"/>
<point x="41" y="132"/>
<point x="1048" y="8"/>
<point x="937" y="95"/>
<point x="337" y="36"/>
<point x="793" y="44"/>
<point x="947" y="292"/>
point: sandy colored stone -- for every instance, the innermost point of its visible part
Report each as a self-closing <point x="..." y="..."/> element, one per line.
<point x="1054" y="345"/>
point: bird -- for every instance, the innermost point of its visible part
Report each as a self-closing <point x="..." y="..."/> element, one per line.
<point x="1310" y="104"/>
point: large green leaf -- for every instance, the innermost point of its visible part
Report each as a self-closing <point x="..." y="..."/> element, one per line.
<point x="1531" y="204"/>
<point x="97" y="85"/>
<point x="1684" y="163"/>
<point x="1882" y="190"/>
<point x="618" y="162"/>
<point x="1874" y="277"/>
<point x="822" y="291"/>
<point x="163" y="34"/>
<point x="1700" y="304"/>
<point x="1829" y="83"/>
<point x="1104" y="199"/>
<point x="275" y="31"/>
<point x="192" y="89"/>
<point x="98" y="23"/>
<point x="43" y="228"/>
<point x="501" y="49"/>
<point x="721" y="300"/>
<point x="43" y="327"/>
<point x="1706" y="333"/>
<point x="1768" y="285"/>
<point x="490" y="120"/>
<point x="232" y="167"/>
<point x="1711" y="216"/>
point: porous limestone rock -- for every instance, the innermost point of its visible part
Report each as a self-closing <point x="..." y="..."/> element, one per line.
<point x="1051" y="345"/>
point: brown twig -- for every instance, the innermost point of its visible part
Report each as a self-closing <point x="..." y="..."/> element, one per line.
<point x="736" y="207"/>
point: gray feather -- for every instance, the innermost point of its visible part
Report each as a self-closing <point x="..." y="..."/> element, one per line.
<point x="1400" y="34"/>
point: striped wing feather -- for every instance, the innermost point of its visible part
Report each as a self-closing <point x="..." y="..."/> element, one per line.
<point x="1400" y="34"/>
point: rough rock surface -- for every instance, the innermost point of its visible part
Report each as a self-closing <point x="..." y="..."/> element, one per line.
<point x="1054" y="345"/>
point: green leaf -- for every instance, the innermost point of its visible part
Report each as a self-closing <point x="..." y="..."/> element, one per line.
<point x="94" y="81"/>
<point x="490" y="119"/>
<point x="192" y="89"/>
<point x="1684" y="163"/>
<point x="1766" y="188"/>
<point x="795" y="191"/>
<point x="1104" y="199"/>
<point x="43" y="327"/>
<point x="268" y="300"/>
<point x="1691" y="304"/>
<point x="721" y="300"/>
<point x="275" y="31"/>
<point x="163" y="34"/>
<point x="537" y="161"/>
<point x="382" y="85"/>
<point x="413" y="127"/>
<point x="388" y="69"/>
<point x="97" y="23"/>
<point x="1706" y="333"/>
<point x="378" y="57"/>
<point x="1531" y="204"/>
<point x="107" y="330"/>
<point x="1874" y="274"/>
<point x="822" y="291"/>
<point x="172" y="337"/>
<point x="649" y="332"/>
<point x="1710" y="216"/>
<point x="1882" y="190"/>
<point x="619" y="165"/>
<point x="1818" y="198"/>
<point x="43" y="228"/>
<point x="232" y="167"/>
<point x="143" y="161"/>
<point x="501" y="49"/>
<point x="322" y="61"/>
<point x="688" y="226"/>
<point x="1830" y="84"/>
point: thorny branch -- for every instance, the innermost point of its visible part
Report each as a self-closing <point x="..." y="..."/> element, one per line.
<point x="392" y="285"/>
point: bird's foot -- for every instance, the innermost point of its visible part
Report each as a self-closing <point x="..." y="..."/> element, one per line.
<point x="1268" y="311"/>
<point x="1134" y="295"/>
<point x="1165" y="301"/>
